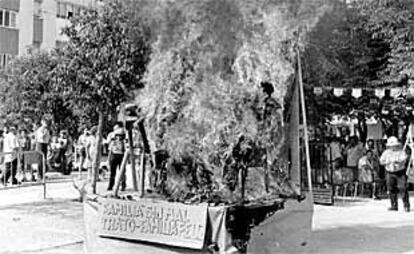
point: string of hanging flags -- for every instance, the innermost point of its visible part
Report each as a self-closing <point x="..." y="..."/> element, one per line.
<point x="394" y="92"/>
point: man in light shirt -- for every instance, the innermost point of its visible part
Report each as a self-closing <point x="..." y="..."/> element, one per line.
<point x="354" y="152"/>
<point x="11" y="145"/>
<point x="42" y="138"/>
<point x="116" y="153"/>
<point x="394" y="159"/>
<point x="83" y="147"/>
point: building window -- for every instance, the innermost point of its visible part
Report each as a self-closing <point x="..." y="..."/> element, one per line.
<point x="7" y="18"/>
<point x="4" y="60"/>
<point x="61" y="10"/>
<point x="37" y="8"/>
<point x="36" y="45"/>
<point x="60" y="44"/>
<point x="68" y="10"/>
<point x="12" y="19"/>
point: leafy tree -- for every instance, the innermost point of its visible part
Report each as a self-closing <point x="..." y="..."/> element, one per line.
<point x="104" y="60"/>
<point x="371" y="45"/>
<point x="29" y="93"/>
<point x="391" y="22"/>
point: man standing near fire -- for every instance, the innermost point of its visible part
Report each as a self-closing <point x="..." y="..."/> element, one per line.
<point x="394" y="159"/>
<point x="116" y="141"/>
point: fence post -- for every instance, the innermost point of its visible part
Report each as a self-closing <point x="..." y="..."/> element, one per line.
<point x="142" y="180"/>
<point x="19" y="164"/>
<point x="44" y="175"/>
<point x="76" y="160"/>
<point x="4" y="171"/>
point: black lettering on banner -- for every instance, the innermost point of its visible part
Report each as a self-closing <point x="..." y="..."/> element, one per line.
<point x="104" y="224"/>
<point x="200" y="232"/>
<point x="174" y="228"/>
<point x="106" y="208"/>
<point x="181" y="229"/>
<point x="148" y="212"/>
<point x="113" y="225"/>
<point x="131" y="225"/>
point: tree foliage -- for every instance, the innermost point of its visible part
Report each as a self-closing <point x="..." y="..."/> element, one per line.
<point x="29" y="93"/>
<point x="391" y="22"/>
<point x="104" y="58"/>
<point x="103" y="62"/>
<point x="368" y="43"/>
<point x="371" y="45"/>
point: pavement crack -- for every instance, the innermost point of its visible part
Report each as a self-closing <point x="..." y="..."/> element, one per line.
<point x="51" y="248"/>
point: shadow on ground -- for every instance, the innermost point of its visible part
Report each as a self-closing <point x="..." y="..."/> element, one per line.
<point x="63" y="209"/>
<point x="41" y="227"/>
<point x="363" y="239"/>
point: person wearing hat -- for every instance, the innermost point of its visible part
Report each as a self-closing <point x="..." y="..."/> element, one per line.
<point x="116" y="152"/>
<point x="11" y="146"/>
<point x="394" y="159"/>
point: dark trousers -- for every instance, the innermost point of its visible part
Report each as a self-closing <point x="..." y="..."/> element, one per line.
<point x="397" y="182"/>
<point x="115" y="161"/>
<point x="42" y="148"/>
<point x="10" y="170"/>
<point x="355" y="173"/>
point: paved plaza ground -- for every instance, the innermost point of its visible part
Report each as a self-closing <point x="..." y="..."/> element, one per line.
<point x="55" y="225"/>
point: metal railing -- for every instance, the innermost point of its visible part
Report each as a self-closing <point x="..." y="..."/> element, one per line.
<point x="41" y="160"/>
<point x="321" y="165"/>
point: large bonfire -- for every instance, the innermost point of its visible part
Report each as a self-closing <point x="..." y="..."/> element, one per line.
<point x="214" y="95"/>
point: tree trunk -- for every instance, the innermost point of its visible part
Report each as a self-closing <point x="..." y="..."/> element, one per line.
<point x="97" y="160"/>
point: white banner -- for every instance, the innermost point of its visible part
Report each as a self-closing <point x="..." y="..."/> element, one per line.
<point x="395" y="92"/>
<point x="159" y="222"/>
<point x="380" y="92"/>
<point x="338" y="91"/>
<point x="317" y="90"/>
<point x="410" y="91"/>
<point x="356" y="92"/>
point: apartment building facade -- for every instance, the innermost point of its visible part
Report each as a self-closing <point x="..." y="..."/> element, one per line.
<point x="27" y="25"/>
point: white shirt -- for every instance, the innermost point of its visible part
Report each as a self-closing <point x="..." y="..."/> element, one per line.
<point x="354" y="154"/>
<point x="364" y="162"/>
<point x="110" y="136"/>
<point x="335" y="151"/>
<point x="394" y="161"/>
<point x="42" y="135"/>
<point x="84" y="140"/>
<point x="11" y="144"/>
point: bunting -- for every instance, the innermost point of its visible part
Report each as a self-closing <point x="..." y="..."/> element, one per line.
<point x="318" y="91"/>
<point x="356" y="92"/>
<point x="380" y="92"/>
<point x="410" y="91"/>
<point x="394" y="92"/>
<point x="338" y="91"/>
